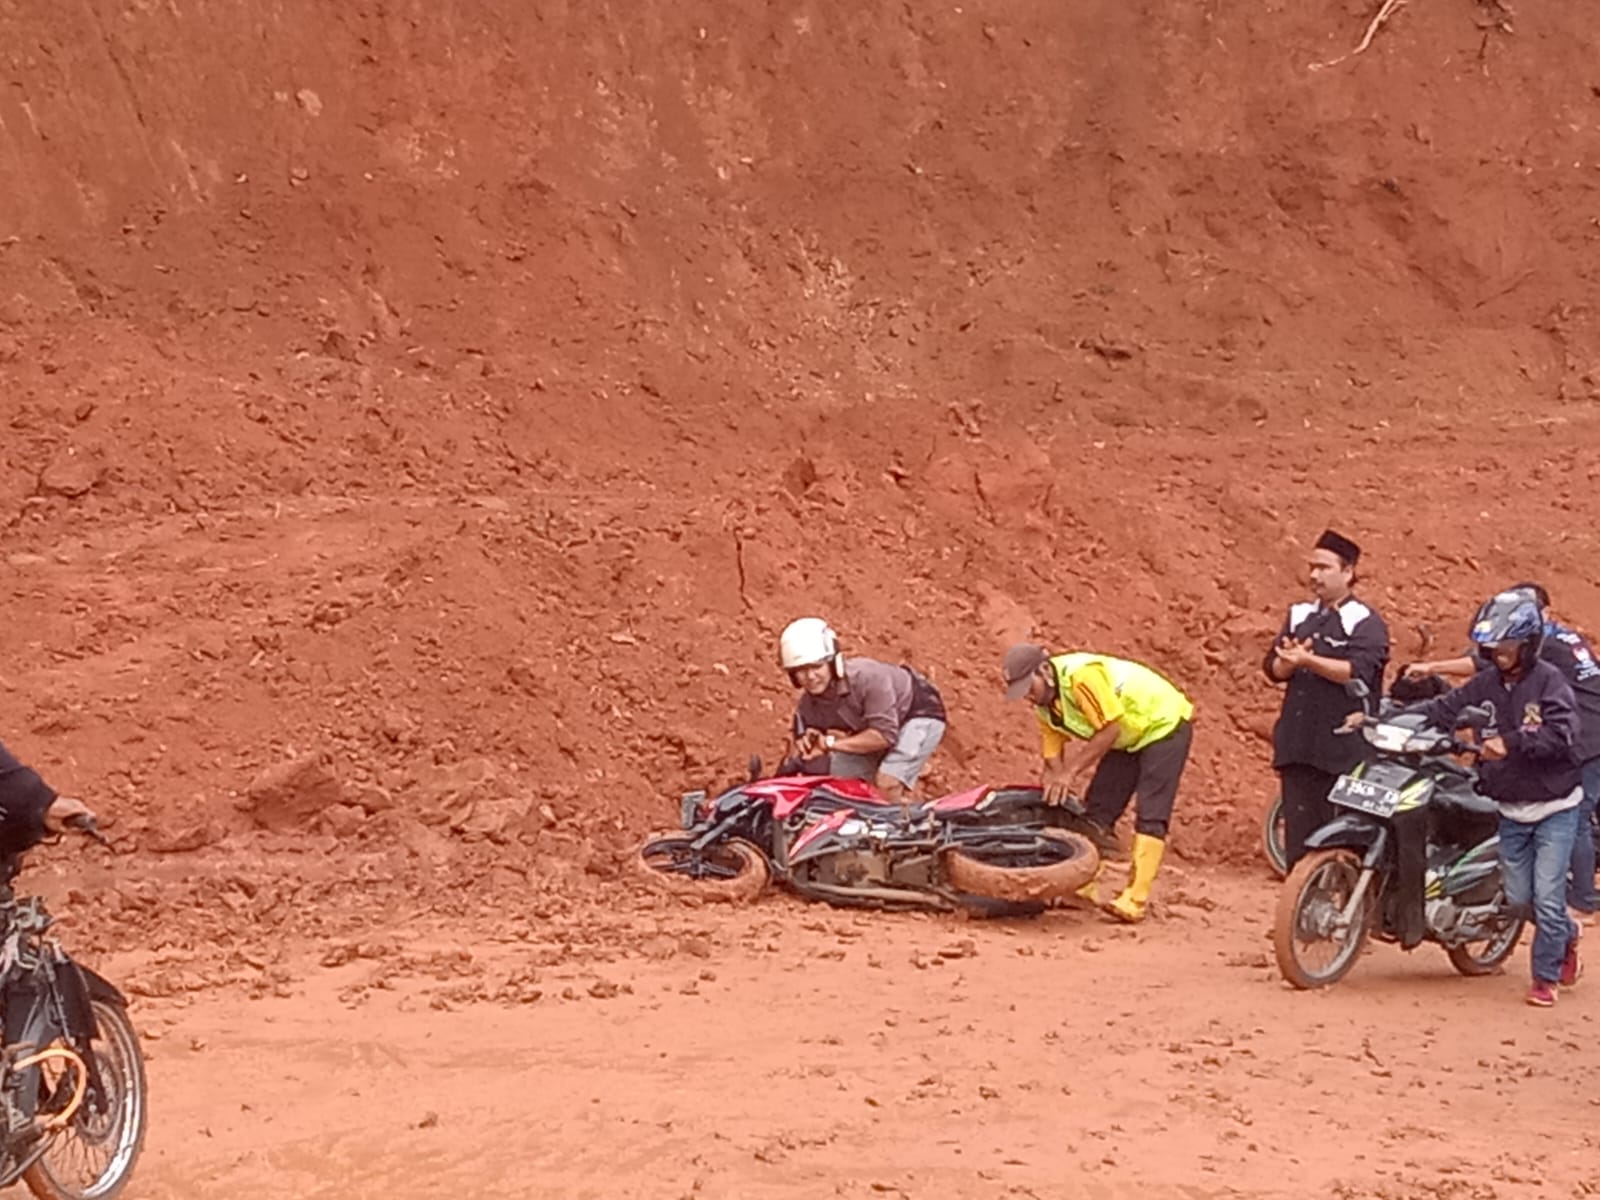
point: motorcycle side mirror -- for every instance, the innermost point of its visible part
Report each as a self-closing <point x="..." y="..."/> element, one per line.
<point x="754" y="767"/>
<point x="1474" y="717"/>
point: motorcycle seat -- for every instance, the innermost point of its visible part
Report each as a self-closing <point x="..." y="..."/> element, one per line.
<point x="876" y="806"/>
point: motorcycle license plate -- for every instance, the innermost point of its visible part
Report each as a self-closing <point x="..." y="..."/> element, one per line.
<point x="1366" y="797"/>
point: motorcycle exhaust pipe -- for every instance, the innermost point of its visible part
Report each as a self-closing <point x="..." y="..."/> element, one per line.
<point x="886" y="895"/>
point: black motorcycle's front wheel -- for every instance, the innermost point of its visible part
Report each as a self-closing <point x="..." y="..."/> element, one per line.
<point x="1489" y="955"/>
<point x="1315" y="945"/>
<point x="93" y="1156"/>
<point x="1274" y="839"/>
<point x="733" y="870"/>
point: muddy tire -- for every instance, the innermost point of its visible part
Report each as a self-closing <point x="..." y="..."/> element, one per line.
<point x="1051" y="864"/>
<point x="94" y="1156"/>
<point x="1313" y="896"/>
<point x="1273" y="838"/>
<point x="732" y="872"/>
<point x="1486" y="957"/>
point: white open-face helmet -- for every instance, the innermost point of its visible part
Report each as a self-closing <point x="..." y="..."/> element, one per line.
<point x="806" y="642"/>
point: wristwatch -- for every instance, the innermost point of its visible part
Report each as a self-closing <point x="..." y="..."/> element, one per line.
<point x="828" y="740"/>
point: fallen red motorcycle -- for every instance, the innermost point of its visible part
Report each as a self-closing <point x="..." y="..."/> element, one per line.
<point x="990" y="850"/>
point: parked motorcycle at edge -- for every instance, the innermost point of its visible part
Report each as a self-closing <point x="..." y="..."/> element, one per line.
<point x="1414" y="857"/>
<point x="73" y="1103"/>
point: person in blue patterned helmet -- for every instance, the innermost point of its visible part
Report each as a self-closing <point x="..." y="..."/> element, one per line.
<point x="1568" y="650"/>
<point x="1528" y="766"/>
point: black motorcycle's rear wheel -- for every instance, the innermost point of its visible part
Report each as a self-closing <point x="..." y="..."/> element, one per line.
<point x="92" y="1158"/>
<point x="1022" y="867"/>
<point x="1314" y="948"/>
<point x="1487" y="956"/>
<point x="1274" y="840"/>
<point x="733" y="871"/>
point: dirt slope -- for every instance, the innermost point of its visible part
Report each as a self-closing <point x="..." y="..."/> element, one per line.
<point x="432" y="383"/>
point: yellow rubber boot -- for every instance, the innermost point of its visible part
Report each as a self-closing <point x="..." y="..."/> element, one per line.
<point x="1147" y="853"/>
<point x="1091" y="890"/>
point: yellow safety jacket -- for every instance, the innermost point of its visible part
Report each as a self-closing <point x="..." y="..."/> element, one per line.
<point x="1096" y="690"/>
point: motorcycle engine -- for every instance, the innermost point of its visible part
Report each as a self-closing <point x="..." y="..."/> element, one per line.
<point x="852" y="867"/>
<point x="1443" y="916"/>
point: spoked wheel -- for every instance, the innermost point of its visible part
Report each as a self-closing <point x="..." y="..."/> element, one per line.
<point x="93" y="1156"/>
<point x="1314" y="943"/>
<point x="1485" y="957"/>
<point x="1274" y="839"/>
<point x="1023" y="866"/>
<point x="733" y="871"/>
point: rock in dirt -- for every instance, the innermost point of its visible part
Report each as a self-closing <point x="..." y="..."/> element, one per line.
<point x="478" y="800"/>
<point x="72" y="473"/>
<point x="183" y="839"/>
<point x="289" y="794"/>
<point x="372" y="799"/>
<point x="344" y="820"/>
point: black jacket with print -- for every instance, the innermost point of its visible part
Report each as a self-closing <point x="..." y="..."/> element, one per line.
<point x="1538" y="719"/>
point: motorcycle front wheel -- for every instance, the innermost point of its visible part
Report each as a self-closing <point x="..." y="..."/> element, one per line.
<point x="1274" y="840"/>
<point x="93" y="1156"/>
<point x="1022" y="867"/>
<point x="1315" y="947"/>
<point x="733" y="871"/>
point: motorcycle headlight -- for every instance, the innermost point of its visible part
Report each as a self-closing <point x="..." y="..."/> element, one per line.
<point x="1390" y="738"/>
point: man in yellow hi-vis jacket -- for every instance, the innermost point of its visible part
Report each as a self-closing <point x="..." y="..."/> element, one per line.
<point x="1127" y="724"/>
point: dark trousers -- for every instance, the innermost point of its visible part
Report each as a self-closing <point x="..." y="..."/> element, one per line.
<point x="1305" y="805"/>
<point x="1151" y="773"/>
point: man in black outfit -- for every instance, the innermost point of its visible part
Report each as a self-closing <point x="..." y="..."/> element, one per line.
<point x="1324" y="643"/>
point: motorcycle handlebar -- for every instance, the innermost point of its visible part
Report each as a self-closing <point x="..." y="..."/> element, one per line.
<point x="85" y="824"/>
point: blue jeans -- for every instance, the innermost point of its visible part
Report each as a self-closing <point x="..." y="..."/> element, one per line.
<point x="1581" y="893"/>
<point x="1534" y="860"/>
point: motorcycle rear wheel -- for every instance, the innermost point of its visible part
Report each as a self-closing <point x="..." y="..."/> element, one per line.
<point x="1493" y="955"/>
<point x="1023" y="868"/>
<point x="1315" y="892"/>
<point x="734" y="871"/>
<point x="1274" y="840"/>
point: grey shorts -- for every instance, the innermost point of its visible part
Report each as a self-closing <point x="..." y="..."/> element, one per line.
<point x="905" y="760"/>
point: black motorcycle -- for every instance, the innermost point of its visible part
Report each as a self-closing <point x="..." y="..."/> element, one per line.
<point x="72" y="1083"/>
<point x="1414" y="857"/>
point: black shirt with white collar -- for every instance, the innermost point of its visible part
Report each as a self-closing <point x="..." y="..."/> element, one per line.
<point x="1313" y="707"/>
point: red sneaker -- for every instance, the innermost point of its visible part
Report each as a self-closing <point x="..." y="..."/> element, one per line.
<point x="1542" y="994"/>
<point x="1571" y="965"/>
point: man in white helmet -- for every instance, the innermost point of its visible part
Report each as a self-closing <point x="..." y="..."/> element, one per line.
<point x="873" y="720"/>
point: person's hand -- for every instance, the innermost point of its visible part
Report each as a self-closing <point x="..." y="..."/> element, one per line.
<point x="1056" y="780"/>
<point x="1493" y="748"/>
<point x="62" y="810"/>
<point x="1353" y="722"/>
<point x="809" y="744"/>
<point x="1417" y="670"/>
<point x="1292" y="653"/>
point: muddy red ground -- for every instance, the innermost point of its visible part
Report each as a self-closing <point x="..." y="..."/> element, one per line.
<point x="467" y="393"/>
